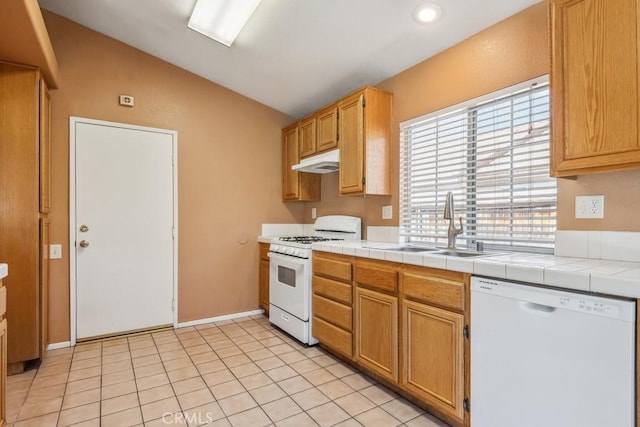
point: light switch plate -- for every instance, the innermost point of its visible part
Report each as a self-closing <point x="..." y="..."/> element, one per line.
<point x="387" y="212"/>
<point x="590" y="207"/>
<point x="55" y="251"/>
<point x="314" y="213"/>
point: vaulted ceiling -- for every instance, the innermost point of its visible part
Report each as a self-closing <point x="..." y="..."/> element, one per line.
<point x="293" y="55"/>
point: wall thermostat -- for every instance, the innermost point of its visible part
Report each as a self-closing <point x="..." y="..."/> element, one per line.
<point x="126" y="100"/>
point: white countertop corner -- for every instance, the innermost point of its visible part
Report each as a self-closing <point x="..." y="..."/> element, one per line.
<point x="4" y="270"/>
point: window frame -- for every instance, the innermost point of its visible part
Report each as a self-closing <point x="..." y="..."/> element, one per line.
<point x="470" y="108"/>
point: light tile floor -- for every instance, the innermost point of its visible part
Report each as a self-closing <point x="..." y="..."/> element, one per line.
<point x="242" y="372"/>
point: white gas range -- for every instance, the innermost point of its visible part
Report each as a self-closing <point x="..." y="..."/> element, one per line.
<point x="290" y="273"/>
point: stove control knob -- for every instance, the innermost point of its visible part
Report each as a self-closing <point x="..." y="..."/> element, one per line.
<point x="275" y="248"/>
<point x="298" y="252"/>
<point x="291" y="251"/>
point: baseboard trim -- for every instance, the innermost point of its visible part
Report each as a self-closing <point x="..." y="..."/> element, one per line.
<point x="219" y="318"/>
<point x="57" y="345"/>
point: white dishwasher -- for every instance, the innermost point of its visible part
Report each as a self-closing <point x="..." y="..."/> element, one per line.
<point x="542" y="357"/>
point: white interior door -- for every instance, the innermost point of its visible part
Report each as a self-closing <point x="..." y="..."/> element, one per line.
<point x="124" y="228"/>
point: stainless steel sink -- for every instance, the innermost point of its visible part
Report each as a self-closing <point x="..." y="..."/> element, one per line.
<point x="434" y="251"/>
<point x="400" y="248"/>
<point x="462" y="254"/>
<point x="413" y="249"/>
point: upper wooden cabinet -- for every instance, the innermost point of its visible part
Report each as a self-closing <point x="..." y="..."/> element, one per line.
<point x="360" y="126"/>
<point x="327" y="128"/>
<point x="307" y="143"/>
<point x="319" y="132"/>
<point x="296" y="186"/>
<point x="364" y="130"/>
<point x="594" y="86"/>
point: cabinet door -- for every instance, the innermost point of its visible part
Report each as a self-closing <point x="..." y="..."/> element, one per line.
<point x="307" y="141"/>
<point x="376" y="329"/>
<point x="351" y="132"/>
<point x="594" y="83"/>
<point x="45" y="147"/>
<point x="433" y="356"/>
<point x="290" y="186"/>
<point x="296" y="185"/>
<point x="43" y="323"/>
<point x="264" y="285"/>
<point x="327" y="129"/>
<point x="3" y="372"/>
<point x="263" y="276"/>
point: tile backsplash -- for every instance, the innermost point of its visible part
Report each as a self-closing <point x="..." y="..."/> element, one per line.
<point x="383" y="234"/>
<point x="609" y="245"/>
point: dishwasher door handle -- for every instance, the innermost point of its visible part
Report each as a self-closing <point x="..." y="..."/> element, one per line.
<point x="537" y="307"/>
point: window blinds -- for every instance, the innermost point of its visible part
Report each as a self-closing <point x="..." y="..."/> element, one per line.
<point x="493" y="154"/>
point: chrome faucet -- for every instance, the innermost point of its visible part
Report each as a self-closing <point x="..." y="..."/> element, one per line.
<point x="449" y="213"/>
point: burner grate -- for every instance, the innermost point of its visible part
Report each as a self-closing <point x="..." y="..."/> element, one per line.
<point x="307" y="239"/>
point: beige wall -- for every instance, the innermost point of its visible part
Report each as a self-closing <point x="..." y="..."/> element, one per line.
<point x="229" y="175"/>
<point x="229" y="151"/>
<point x="510" y="52"/>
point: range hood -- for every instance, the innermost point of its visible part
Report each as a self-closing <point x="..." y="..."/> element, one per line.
<point x="320" y="163"/>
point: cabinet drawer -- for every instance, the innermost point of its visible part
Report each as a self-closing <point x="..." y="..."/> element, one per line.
<point x="332" y="336"/>
<point x="338" y="291"/>
<point x="3" y="300"/>
<point x="377" y="275"/>
<point x="333" y="312"/>
<point x="435" y="290"/>
<point x="332" y="267"/>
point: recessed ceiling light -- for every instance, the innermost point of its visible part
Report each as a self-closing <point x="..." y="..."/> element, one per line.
<point x="221" y="20"/>
<point x="427" y="13"/>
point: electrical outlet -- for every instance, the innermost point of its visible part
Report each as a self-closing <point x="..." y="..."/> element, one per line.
<point x="55" y="251"/>
<point x="387" y="212"/>
<point x="314" y="213"/>
<point x="590" y="207"/>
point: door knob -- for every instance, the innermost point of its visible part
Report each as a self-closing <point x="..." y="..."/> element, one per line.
<point x="84" y="228"/>
<point x="84" y="243"/>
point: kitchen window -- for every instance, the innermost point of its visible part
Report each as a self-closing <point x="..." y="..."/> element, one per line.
<point x="493" y="154"/>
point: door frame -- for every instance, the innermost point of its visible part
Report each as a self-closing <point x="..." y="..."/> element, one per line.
<point x="72" y="213"/>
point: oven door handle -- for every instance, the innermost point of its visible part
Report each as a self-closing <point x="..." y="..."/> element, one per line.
<point x="294" y="263"/>
<point x="285" y="258"/>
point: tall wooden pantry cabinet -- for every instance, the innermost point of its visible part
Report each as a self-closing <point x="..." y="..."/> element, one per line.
<point x="24" y="206"/>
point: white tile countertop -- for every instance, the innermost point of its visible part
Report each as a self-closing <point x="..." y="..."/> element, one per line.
<point x="4" y="270"/>
<point x="590" y="275"/>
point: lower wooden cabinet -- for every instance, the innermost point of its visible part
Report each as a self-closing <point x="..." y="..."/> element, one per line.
<point x="332" y="322"/>
<point x="376" y="339"/>
<point x="263" y="277"/>
<point x="3" y="371"/>
<point x="3" y="355"/>
<point x="433" y="356"/>
<point x="408" y="326"/>
<point x="333" y="337"/>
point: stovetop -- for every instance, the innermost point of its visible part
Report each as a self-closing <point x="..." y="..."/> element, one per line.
<point x="306" y="240"/>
